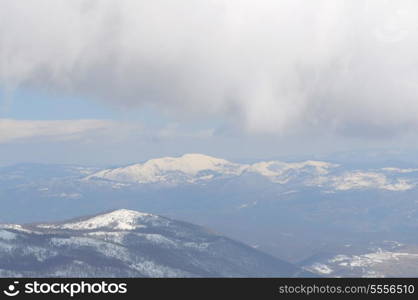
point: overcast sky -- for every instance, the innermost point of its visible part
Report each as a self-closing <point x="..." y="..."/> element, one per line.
<point x="109" y="82"/>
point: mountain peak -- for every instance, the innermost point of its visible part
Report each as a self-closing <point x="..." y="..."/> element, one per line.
<point x="104" y="246"/>
<point x="121" y="219"/>
<point x="163" y="169"/>
<point x="191" y="163"/>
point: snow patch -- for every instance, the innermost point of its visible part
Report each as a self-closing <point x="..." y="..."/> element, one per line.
<point x="370" y="259"/>
<point x="362" y="180"/>
<point x="281" y="172"/>
<point x="17" y="227"/>
<point x="7" y="235"/>
<point x="159" y="239"/>
<point x="319" y="268"/>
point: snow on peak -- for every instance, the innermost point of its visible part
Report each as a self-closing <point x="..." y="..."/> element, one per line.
<point x="361" y="180"/>
<point x="122" y="219"/>
<point x="192" y="164"/>
<point x="159" y="169"/>
<point x="282" y="172"/>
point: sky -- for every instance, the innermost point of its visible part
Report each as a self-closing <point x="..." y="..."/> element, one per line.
<point x="113" y="82"/>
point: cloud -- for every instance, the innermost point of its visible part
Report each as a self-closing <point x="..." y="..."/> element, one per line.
<point x="21" y="130"/>
<point x="113" y="132"/>
<point x="273" y="66"/>
<point x="173" y="131"/>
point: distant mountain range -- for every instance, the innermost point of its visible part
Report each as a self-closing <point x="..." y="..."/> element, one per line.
<point x="127" y="243"/>
<point x="199" y="168"/>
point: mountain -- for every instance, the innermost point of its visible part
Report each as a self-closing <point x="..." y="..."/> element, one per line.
<point x="127" y="243"/>
<point x="389" y="259"/>
<point x="188" y="168"/>
<point x="199" y="168"/>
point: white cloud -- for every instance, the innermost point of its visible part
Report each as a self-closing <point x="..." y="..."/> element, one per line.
<point x="272" y="66"/>
<point x="21" y="130"/>
<point x="172" y="131"/>
<point x="12" y="131"/>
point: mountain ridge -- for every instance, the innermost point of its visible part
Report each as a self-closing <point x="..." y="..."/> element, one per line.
<point x="128" y="243"/>
<point x="197" y="168"/>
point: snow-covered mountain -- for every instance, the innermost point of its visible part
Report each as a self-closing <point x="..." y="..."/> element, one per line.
<point x="392" y="259"/>
<point x="281" y="172"/>
<point x="199" y="168"/>
<point x="187" y="168"/>
<point x="127" y="243"/>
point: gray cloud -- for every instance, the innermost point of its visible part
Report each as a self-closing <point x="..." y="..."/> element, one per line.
<point x="62" y="130"/>
<point x="271" y="66"/>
